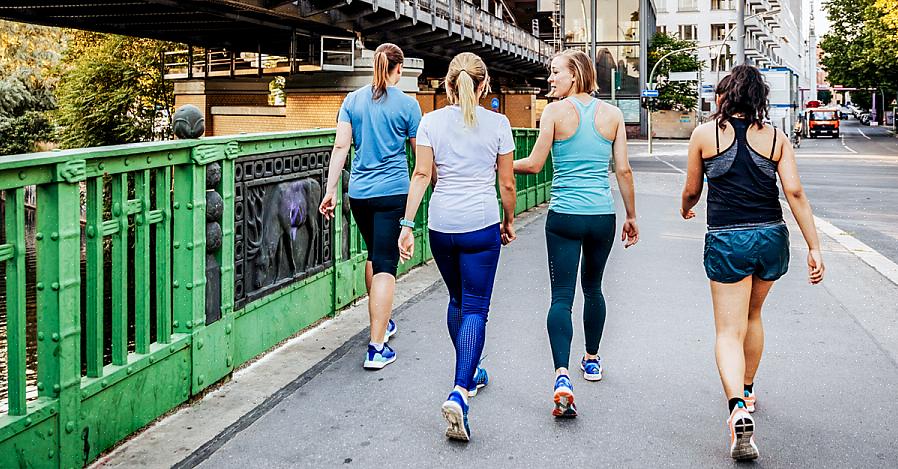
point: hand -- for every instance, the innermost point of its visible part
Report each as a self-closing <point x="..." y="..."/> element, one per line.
<point x="406" y="244"/>
<point x="328" y="204"/>
<point x="815" y="266"/>
<point x="687" y="214"/>
<point x="507" y="232"/>
<point x="630" y="232"/>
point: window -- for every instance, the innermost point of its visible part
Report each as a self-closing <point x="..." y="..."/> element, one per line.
<point x="687" y="5"/>
<point x="627" y="20"/>
<point x="661" y="29"/>
<point x="718" y="31"/>
<point x="617" y="21"/>
<point x="722" y="5"/>
<point x="724" y="61"/>
<point x="624" y="62"/>
<point x="688" y="32"/>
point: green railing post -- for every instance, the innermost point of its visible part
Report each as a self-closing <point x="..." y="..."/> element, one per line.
<point x="189" y="247"/>
<point x="58" y="239"/>
<point x="15" y="300"/>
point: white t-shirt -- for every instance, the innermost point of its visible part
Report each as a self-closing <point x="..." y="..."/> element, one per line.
<point x="464" y="198"/>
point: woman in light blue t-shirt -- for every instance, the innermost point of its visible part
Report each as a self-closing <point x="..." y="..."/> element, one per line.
<point x="468" y="145"/>
<point x="378" y="119"/>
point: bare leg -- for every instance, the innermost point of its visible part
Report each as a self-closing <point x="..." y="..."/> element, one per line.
<point x="731" y="302"/>
<point x="369" y="272"/>
<point x="754" y="337"/>
<point x="380" y="304"/>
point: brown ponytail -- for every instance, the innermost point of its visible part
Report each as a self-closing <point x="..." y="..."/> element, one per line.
<point x="386" y="58"/>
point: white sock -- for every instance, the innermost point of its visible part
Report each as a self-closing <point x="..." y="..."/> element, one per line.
<point x="379" y="346"/>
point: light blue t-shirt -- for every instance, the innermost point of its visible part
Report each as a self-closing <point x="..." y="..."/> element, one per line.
<point x="379" y="132"/>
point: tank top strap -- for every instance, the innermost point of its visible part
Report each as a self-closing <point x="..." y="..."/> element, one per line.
<point x="587" y="112"/>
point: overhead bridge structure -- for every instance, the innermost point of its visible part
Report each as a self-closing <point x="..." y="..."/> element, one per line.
<point x="434" y="30"/>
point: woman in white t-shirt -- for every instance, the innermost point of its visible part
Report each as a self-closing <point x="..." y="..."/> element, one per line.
<point x="467" y="144"/>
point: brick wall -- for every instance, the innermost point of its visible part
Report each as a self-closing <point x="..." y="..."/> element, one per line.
<point x="310" y="111"/>
<point x="519" y="108"/>
<point x="206" y="101"/>
<point x="230" y="125"/>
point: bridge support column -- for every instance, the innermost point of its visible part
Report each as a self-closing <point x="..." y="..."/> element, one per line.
<point x="206" y="94"/>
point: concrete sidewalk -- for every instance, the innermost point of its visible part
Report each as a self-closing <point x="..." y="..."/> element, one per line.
<point x="828" y="379"/>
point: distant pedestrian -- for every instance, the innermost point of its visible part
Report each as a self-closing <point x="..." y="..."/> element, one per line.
<point x="583" y="134"/>
<point x="747" y="244"/>
<point x="472" y="149"/>
<point x="378" y="119"/>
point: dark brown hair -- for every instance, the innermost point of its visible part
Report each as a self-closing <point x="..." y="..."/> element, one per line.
<point x="745" y="92"/>
<point x="387" y="57"/>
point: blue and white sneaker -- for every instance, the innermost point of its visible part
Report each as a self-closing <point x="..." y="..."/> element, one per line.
<point x="564" y="398"/>
<point x="592" y="369"/>
<point x="455" y="411"/>
<point x="377" y="359"/>
<point x="391" y="331"/>
<point x="481" y="379"/>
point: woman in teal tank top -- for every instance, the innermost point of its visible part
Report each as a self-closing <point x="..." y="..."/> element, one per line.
<point x="583" y="134"/>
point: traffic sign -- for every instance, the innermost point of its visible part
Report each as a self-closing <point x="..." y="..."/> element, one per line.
<point x="649" y="93"/>
<point x="495" y="104"/>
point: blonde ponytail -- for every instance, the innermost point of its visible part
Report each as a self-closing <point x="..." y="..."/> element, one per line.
<point x="467" y="100"/>
<point x="386" y="58"/>
<point x="466" y="74"/>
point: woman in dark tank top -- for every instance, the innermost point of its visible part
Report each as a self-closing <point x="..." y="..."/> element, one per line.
<point x="747" y="244"/>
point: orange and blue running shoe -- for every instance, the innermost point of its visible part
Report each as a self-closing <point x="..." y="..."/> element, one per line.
<point x="750" y="400"/>
<point x="564" y="398"/>
<point x="742" y="429"/>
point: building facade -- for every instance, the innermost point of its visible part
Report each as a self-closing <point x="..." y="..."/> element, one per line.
<point x="771" y="40"/>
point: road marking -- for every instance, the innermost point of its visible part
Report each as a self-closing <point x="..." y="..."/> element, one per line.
<point x="862" y="133"/>
<point x="842" y="138"/>
<point x="668" y="164"/>
<point x="865" y="253"/>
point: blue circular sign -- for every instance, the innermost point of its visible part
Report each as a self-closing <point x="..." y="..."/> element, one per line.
<point x="495" y="104"/>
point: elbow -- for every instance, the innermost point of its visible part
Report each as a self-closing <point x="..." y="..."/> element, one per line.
<point x="623" y="172"/>
<point x="795" y="193"/>
<point x="341" y="148"/>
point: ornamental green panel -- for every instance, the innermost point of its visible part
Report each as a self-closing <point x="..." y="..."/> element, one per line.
<point x="93" y="327"/>
<point x="142" y="259"/>
<point x="35" y="446"/>
<point x="120" y="262"/>
<point x="163" y="257"/>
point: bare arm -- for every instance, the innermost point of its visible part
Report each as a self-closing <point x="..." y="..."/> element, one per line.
<point x="624" y="175"/>
<point x="508" y="192"/>
<point x="692" y="191"/>
<point x="339" y="154"/>
<point x="421" y="177"/>
<point x="537" y="159"/>
<point x="801" y="209"/>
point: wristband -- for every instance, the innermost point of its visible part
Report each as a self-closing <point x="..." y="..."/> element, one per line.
<point x="407" y="223"/>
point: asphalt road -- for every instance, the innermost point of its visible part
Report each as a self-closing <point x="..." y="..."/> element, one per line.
<point x="825" y="389"/>
<point x="852" y="181"/>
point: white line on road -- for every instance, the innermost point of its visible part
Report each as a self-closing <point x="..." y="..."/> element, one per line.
<point x="842" y="138"/>
<point x="865" y="253"/>
<point x="862" y="133"/>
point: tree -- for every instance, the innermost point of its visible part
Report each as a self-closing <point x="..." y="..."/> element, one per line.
<point x="861" y="48"/>
<point x="825" y="96"/>
<point x="673" y="95"/>
<point x="111" y="90"/>
<point x="29" y="59"/>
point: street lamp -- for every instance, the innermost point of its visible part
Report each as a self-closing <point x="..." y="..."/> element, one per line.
<point x="726" y="37"/>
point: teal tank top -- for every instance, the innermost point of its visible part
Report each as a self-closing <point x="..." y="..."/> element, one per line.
<point x="580" y="164"/>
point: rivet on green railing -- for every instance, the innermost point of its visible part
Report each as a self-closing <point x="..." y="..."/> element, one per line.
<point x="200" y="379"/>
<point x="229" y="361"/>
<point x="130" y="370"/>
<point x="190" y="246"/>
<point x="39" y="236"/>
<point x="189" y="324"/>
<point x="176" y="244"/>
<point x="69" y="426"/>
<point x="189" y="206"/>
<point x="189" y="286"/>
<point x="176" y="324"/>
<point x="199" y="344"/>
<point x="176" y="205"/>
<point x="22" y="175"/>
<point x="170" y="156"/>
<point x="54" y="286"/>
<point x="91" y="231"/>
<point x="54" y="337"/>
<point x="149" y="160"/>
<point x="28" y="421"/>
<point x="51" y="454"/>
<point x="227" y="329"/>
<point x="56" y="389"/>
<point x="39" y="286"/>
<point x="40" y="336"/>
<point x="40" y="386"/>
<point x="54" y="236"/>
<point x="101" y="166"/>
<point x="117" y="209"/>
<point x="176" y="284"/>
<point x="104" y="383"/>
<point x="127" y="162"/>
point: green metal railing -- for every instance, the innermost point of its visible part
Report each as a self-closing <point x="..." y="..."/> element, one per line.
<point x="133" y="219"/>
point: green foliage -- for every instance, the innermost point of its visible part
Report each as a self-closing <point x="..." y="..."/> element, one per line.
<point x="679" y="96"/>
<point x="861" y="48"/>
<point x="825" y="96"/>
<point x="29" y="59"/>
<point x="111" y="90"/>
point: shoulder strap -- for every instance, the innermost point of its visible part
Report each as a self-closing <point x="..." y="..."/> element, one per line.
<point x="717" y="134"/>
<point x="773" y="150"/>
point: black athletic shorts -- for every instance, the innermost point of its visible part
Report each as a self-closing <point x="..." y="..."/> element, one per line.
<point x="378" y="221"/>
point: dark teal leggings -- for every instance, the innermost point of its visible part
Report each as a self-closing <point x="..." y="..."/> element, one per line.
<point x="567" y="236"/>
